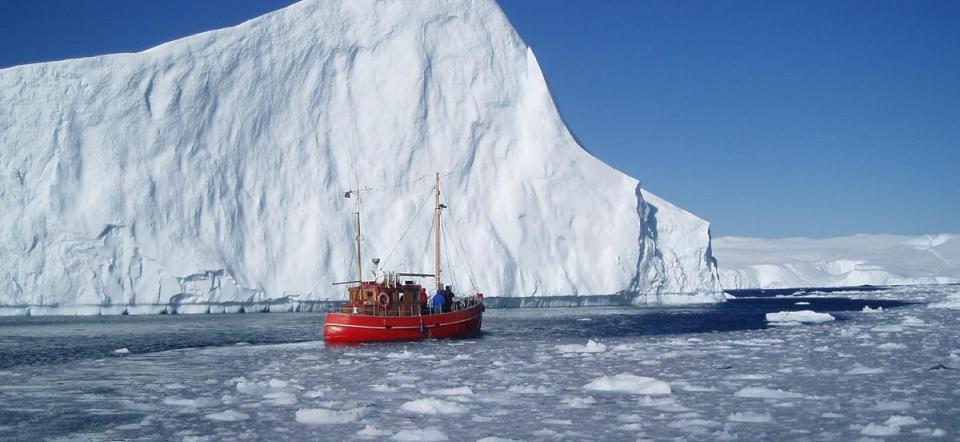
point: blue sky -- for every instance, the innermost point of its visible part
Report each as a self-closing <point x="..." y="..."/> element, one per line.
<point x="768" y="118"/>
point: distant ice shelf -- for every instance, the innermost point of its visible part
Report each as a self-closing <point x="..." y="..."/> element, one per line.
<point x="838" y="262"/>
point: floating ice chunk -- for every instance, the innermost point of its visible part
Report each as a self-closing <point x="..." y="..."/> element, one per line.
<point x="860" y="369"/>
<point x="728" y="296"/>
<point x="591" y="347"/>
<point x="888" y="328"/>
<point x="193" y="403"/>
<point x="383" y="388"/>
<point x="952" y="302"/>
<point x="432" y="406"/>
<point x="579" y="402"/>
<point x="901" y="421"/>
<point x="424" y="435"/>
<point x="892" y="346"/>
<point x="801" y="303"/>
<point x="372" y="431"/>
<point x="528" y="389"/>
<point x="751" y="417"/>
<point x="911" y="321"/>
<point x="228" y="416"/>
<point x="546" y="433"/>
<point x="252" y="388"/>
<point x="802" y="316"/>
<point x="867" y="309"/>
<point x="410" y="355"/>
<point x="313" y="394"/>
<point x="281" y="398"/>
<point x="687" y="424"/>
<point x="880" y="430"/>
<point x="122" y="351"/>
<point x="276" y="383"/>
<point x="323" y="416"/>
<point x="766" y="393"/>
<point x="458" y="391"/>
<point x="829" y="415"/>
<point x="695" y="388"/>
<point x="629" y="383"/>
<point x="892" y="406"/>
<point x="495" y="439"/>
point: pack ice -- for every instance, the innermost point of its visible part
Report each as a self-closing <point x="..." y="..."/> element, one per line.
<point x="838" y="262"/>
<point x="212" y="169"/>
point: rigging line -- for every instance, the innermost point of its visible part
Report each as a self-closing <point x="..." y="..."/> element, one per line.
<point x="450" y="267"/>
<point x="407" y="230"/>
<point x="426" y="247"/>
<point x="470" y="274"/>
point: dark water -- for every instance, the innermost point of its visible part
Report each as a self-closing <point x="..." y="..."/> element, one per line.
<point x="57" y="340"/>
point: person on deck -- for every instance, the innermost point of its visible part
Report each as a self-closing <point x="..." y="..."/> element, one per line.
<point x="447" y="299"/>
<point x="438" y="301"/>
<point x="423" y="300"/>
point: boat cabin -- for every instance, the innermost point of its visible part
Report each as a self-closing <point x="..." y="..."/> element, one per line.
<point x="380" y="299"/>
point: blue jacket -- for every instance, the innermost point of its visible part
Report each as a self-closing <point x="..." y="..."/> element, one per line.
<point x="438" y="300"/>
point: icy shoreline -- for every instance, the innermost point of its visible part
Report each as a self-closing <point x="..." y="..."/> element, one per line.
<point x="298" y="306"/>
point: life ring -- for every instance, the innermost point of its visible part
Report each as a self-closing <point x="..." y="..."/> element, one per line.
<point x="383" y="300"/>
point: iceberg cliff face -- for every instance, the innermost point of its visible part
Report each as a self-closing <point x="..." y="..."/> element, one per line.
<point x="838" y="262"/>
<point x="212" y="168"/>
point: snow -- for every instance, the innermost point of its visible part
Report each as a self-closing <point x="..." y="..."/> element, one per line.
<point x="629" y="383"/>
<point x="207" y="174"/>
<point x="802" y="317"/>
<point x="838" y="262"/>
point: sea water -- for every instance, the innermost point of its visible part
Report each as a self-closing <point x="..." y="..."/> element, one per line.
<point x="886" y="364"/>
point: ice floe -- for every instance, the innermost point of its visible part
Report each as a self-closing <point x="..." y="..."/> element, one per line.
<point x="432" y="406"/>
<point x="750" y="417"/>
<point x="798" y="317"/>
<point x="629" y="383"/>
<point x="228" y="416"/>
<point x="766" y="393"/>
<point x="323" y="416"/>
<point x="590" y="347"/>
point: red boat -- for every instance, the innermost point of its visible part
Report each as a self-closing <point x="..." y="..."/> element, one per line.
<point x="393" y="309"/>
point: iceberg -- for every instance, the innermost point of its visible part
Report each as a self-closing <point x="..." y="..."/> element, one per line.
<point x="838" y="262"/>
<point x="211" y="169"/>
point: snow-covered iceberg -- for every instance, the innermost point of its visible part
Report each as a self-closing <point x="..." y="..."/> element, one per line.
<point x="838" y="262"/>
<point x="211" y="169"/>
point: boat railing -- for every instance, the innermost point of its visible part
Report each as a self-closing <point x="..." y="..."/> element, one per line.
<point x="410" y="310"/>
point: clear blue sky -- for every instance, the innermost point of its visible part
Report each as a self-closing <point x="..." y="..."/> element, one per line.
<point x="768" y="118"/>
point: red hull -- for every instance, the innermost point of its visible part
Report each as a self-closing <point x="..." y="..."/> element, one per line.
<point x="344" y="328"/>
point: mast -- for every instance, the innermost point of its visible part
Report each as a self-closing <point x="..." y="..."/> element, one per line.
<point x="357" y="213"/>
<point x="436" y="222"/>
<point x="359" y="261"/>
